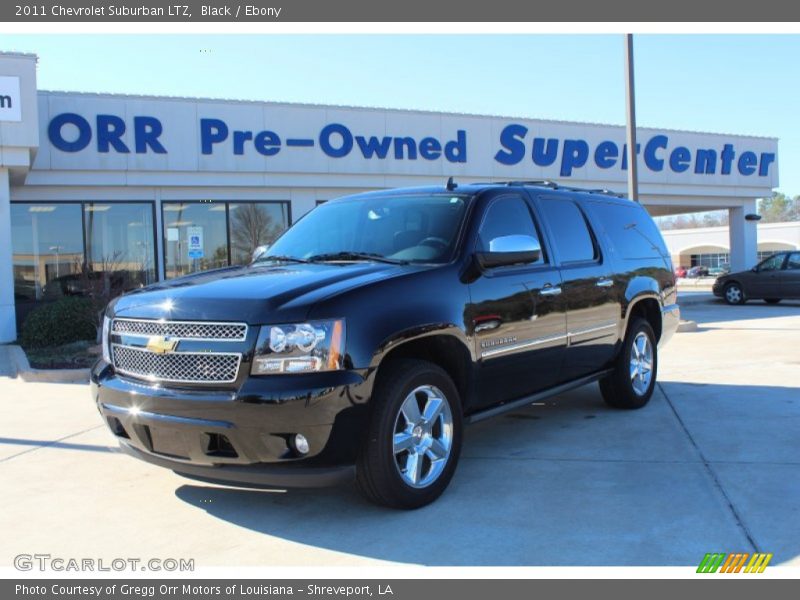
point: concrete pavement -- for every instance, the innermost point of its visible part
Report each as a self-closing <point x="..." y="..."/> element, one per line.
<point x="710" y="465"/>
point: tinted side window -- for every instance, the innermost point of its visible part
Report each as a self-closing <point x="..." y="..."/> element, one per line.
<point x="773" y="263"/>
<point x="630" y="229"/>
<point x="569" y="230"/>
<point x="506" y="215"/>
<point x="794" y="261"/>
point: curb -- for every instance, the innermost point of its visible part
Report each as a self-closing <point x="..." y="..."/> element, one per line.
<point x="704" y="299"/>
<point x="685" y="326"/>
<point x="29" y="374"/>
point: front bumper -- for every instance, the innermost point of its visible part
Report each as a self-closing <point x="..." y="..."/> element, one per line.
<point x="240" y="436"/>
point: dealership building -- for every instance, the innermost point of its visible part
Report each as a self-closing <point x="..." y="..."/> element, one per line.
<point x="711" y="247"/>
<point x="143" y="189"/>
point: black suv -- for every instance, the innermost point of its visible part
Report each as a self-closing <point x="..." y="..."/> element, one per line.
<point x="377" y="326"/>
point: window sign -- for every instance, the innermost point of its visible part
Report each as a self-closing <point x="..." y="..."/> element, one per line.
<point x="195" y="235"/>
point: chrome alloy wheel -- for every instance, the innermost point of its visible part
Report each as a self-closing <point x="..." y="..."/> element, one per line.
<point x="641" y="363"/>
<point x="733" y="294"/>
<point x="423" y="436"/>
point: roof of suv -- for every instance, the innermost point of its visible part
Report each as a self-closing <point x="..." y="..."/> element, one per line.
<point x="474" y="188"/>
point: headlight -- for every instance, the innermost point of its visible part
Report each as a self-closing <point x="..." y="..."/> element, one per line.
<point x="104" y="340"/>
<point x="299" y="348"/>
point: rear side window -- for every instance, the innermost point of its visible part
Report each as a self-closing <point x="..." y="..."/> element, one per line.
<point x="570" y="233"/>
<point x="793" y="264"/>
<point x="630" y="229"/>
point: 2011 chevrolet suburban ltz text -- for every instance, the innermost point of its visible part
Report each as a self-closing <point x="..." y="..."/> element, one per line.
<point x="366" y="337"/>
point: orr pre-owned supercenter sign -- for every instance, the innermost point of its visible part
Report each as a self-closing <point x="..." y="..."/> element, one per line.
<point x="322" y="139"/>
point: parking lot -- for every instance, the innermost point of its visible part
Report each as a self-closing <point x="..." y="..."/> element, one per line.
<point x="710" y="465"/>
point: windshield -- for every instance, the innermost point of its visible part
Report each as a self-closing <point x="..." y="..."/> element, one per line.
<point x="405" y="228"/>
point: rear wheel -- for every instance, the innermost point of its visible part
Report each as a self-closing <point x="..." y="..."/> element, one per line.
<point x="734" y="294"/>
<point x="414" y="438"/>
<point x="772" y="300"/>
<point x="631" y="383"/>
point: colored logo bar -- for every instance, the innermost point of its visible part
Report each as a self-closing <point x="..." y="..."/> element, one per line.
<point x="734" y="562"/>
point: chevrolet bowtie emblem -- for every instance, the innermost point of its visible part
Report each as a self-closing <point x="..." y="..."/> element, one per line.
<point x="160" y="344"/>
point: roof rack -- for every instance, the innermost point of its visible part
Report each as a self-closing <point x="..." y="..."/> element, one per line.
<point x="540" y="182"/>
<point x="603" y="191"/>
<point x="555" y="186"/>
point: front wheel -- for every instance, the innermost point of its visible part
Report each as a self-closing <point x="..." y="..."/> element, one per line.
<point x="414" y="438"/>
<point x="734" y="294"/>
<point x="631" y="383"/>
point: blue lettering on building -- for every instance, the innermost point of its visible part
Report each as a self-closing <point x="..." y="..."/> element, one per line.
<point x="658" y="155"/>
<point x="109" y="129"/>
<point x="142" y="134"/>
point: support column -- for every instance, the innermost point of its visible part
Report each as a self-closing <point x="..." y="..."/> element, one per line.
<point x="743" y="236"/>
<point x="8" y="322"/>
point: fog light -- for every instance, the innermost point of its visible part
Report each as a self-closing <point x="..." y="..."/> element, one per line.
<point x="300" y="443"/>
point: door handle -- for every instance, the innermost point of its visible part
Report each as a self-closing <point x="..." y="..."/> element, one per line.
<point x="486" y="322"/>
<point x="605" y="283"/>
<point x="550" y="290"/>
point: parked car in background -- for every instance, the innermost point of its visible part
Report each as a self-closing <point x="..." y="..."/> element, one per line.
<point x="698" y="271"/>
<point x="717" y="271"/>
<point x="775" y="278"/>
<point x="680" y="272"/>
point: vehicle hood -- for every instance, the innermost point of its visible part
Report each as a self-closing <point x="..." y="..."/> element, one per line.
<point x="736" y="275"/>
<point x="253" y="294"/>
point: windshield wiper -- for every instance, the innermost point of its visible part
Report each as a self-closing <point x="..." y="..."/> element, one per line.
<point x="280" y="258"/>
<point x="350" y="255"/>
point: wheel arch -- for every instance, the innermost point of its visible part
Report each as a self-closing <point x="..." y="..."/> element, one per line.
<point x="648" y="307"/>
<point x="444" y="348"/>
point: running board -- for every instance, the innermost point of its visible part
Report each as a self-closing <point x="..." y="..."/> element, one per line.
<point x="493" y="411"/>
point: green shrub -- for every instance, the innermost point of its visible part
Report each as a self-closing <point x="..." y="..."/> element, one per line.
<point x="64" y="321"/>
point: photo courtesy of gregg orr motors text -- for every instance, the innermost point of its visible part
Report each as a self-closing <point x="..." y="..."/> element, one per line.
<point x="188" y="589"/>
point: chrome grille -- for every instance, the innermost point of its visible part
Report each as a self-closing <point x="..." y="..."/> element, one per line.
<point x="182" y="330"/>
<point x="178" y="367"/>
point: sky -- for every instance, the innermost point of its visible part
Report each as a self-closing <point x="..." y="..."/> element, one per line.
<point x="718" y="83"/>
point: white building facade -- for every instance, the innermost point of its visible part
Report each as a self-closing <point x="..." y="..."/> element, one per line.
<point x="711" y="246"/>
<point x="151" y="188"/>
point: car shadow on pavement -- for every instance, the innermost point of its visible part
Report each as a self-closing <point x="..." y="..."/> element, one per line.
<point x="568" y="482"/>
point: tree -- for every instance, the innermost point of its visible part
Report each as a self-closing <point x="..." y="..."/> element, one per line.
<point x="251" y="227"/>
<point x="779" y="208"/>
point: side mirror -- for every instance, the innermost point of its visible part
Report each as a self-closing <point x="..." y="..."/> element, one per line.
<point x="259" y="252"/>
<point x="510" y="250"/>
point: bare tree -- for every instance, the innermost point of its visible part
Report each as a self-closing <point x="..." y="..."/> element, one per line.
<point x="251" y="227"/>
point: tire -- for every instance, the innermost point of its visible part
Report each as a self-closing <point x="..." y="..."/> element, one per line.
<point x="772" y="300"/>
<point x="387" y="478"/>
<point x="623" y="388"/>
<point x="734" y="294"/>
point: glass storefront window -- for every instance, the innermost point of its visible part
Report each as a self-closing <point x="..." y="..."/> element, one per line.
<point x="254" y="224"/>
<point x="47" y="246"/>
<point x="80" y="249"/>
<point x="119" y="245"/>
<point x="195" y="237"/>
<point x="712" y="261"/>
<point x="199" y="236"/>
